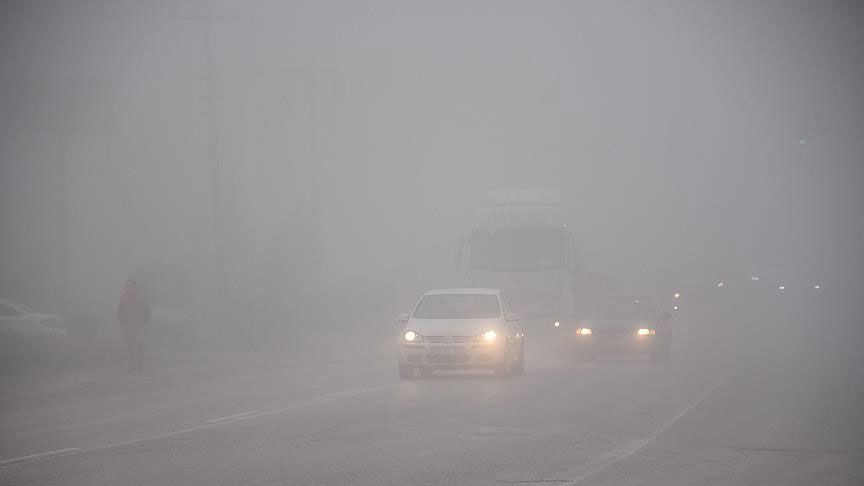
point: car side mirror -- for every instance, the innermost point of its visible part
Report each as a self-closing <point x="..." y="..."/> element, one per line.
<point x="512" y="317"/>
<point x="403" y="317"/>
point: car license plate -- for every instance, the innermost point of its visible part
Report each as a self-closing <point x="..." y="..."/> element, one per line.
<point x="445" y="350"/>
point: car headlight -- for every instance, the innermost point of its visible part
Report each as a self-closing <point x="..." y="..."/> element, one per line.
<point x="412" y="337"/>
<point x="584" y="331"/>
<point x="486" y="337"/>
<point x="646" y="332"/>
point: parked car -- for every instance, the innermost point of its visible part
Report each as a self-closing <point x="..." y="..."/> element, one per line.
<point x="20" y="320"/>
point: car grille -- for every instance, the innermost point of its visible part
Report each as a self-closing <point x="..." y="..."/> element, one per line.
<point x="615" y="331"/>
<point x="443" y="339"/>
<point x="613" y="339"/>
<point x="448" y="358"/>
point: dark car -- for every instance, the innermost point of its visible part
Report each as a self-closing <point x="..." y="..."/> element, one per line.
<point x="623" y="325"/>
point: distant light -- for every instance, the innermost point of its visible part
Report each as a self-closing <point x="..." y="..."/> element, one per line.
<point x="636" y="301"/>
<point x="817" y="287"/>
<point x="782" y="287"/>
<point x="755" y="278"/>
<point x="557" y="324"/>
<point x="677" y="295"/>
<point x="720" y="284"/>
<point x="802" y="141"/>
<point x="644" y="332"/>
<point x="674" y="307"/>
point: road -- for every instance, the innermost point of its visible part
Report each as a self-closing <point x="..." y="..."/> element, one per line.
<point x="773" y="411"/>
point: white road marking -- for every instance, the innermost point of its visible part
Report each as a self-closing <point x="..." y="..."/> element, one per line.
<point x="130" y="395"/>
<point x="36" y="456"/>
<point x="619" y="454"/>
<point x="229" y="417"/>
<point x="212" y="424"/>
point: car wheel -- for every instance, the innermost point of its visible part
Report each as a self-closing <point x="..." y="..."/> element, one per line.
<point x="406" y="372"/>
<point x="519" y="368"/>
<point x="505" y="369"/>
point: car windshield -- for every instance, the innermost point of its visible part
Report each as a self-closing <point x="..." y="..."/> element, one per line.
<point x="25" y="309"/>
<point x="458" y="306"/>
<point x="623" y="307"/>
<point x="517" y="250"/>
<point x="19" y="307"/>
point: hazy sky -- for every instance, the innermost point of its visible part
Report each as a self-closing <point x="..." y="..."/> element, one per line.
<point x="674" y="129"/>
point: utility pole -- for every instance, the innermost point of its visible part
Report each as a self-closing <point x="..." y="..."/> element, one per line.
<point x="213" y="155"/>
<point x="215" y="171"/>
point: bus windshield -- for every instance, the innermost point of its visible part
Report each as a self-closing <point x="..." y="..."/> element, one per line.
<point x="517" y="249"/>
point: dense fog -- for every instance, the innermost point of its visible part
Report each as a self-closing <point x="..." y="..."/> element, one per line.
<point x="284" y="177"/>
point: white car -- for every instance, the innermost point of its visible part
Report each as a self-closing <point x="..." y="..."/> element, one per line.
<point x="18" y="319"/>
<point x="461" y="329"/>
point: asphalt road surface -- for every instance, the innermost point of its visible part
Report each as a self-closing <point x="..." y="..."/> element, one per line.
<point x="776" y="410"/>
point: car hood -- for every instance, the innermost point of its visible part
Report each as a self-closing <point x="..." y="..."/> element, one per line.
<point x="452" y="327"/>
<point x="29" y="325"/>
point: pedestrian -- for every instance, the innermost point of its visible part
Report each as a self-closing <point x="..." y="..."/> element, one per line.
<point x="133" y="315"/>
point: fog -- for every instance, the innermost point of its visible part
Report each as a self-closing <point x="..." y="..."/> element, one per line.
<point x="284" y="178"/>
